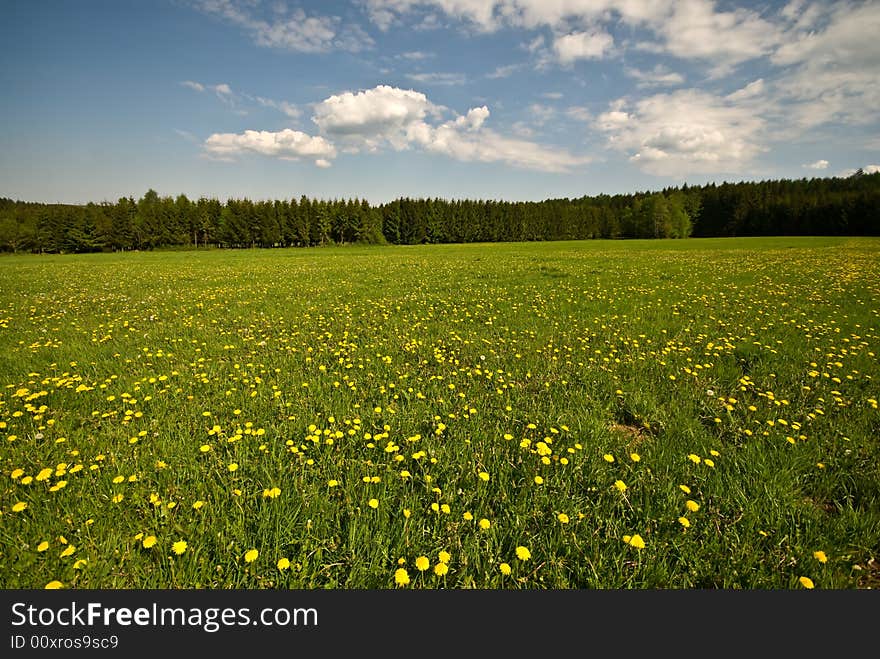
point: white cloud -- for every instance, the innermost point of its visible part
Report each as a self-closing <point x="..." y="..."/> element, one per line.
<point x="285" y="107"/>
<point x="222" y="89"/>
<point x="197" y="86"/>
<point x="504" y="71"/>
<point x="295" y="30"/>
<point x="438" y="78"/>
<point x="659" y="76"/>
<point x="819" y="164"/>
<point x="286" y="144"/>
<point x="867" y="169"/>
<point x="689" y="29"/>
<point x="833" y="73"/>
<point x="582" y="45"/>
<point x="553" y="96"/>
<point x="684" y="132"/>
<point x="404" y="119"/>
<point x="751" y="90"/>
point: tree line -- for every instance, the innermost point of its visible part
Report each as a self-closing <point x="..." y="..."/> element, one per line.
<point x="819" y="206"/>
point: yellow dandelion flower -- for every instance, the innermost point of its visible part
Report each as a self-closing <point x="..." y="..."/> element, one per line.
<point x="635" y="457"/>
<point x="204" y="448"/>
<point x="282" y="564"/>
<point x="523" y="554"/>
<point x="117" y="498"/>
<point x="620" y="485"/>
<point x="538" y="480"/>
<point x="608" y="458"/>
<point x="44" y="474"/>
<point x="54" y="585"/>
<point x="68" y="550"/>
<point x="332" y="483"/>
<point x="118" y="480"/>
<point x="373" y="503"/>
<point x="16" y="474"/>
<point x="232" y="466"/>
<point x="693" y="457"/>
<point x="80" y="564"/>
<point x="444" y="556"/>
<point x="179" y="547"/>
<point x="505" y="569"/>
<point x="43" y="546"/>
<point x="685" y="489"/>
<point x="401" y="576"/>
<point x="485" y="524"/>
<point x="441" y="569"/>
<point x="709" y="463"/>
<point x="251" y="555"/>
<point x="18" y="507"/>
<point x="198" y="504"/>
<point x="422" y="563"/>
<point x="634" y="541"/>
<point x="693" y="506"/>
<point x="684" y="521"/>
<point x="149" y="541"/>
<point x="562" y="517"/>
<point x="484" y="476"/>
<point x="806" y="582"/>
<point x="820" y="556"/>
<point x="467" y="515"/>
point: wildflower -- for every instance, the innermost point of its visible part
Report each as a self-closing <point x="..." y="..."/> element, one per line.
<point x="422" y="563"/>
<point x="539" y="480"/>
<point x="562" y="517"/>
<point x="523" y="554"/>
<point x="635" y="457"/>
<point x="233" y="466"/>
<point x="18" y="507"/>
<point x="467" y="515"/>
<point x="685" y="489"/>
<point x="620" y="485"/>
<point x="441" y="569"/>
<point x="484" y="524"/>
<point x="505" y="569"/>
<point x="684" y="521"/>
<point x="251" y="555"/>
<point x="806" y="582"/>
<point x="693" y="457"/>
<point x="43" y="546"/>
<point x="179" y="547"/>
<point x="820" y="556"/>
<point x="332" y="483"/>
<point x="149" y="541"/>
<point x="401" y="576"/>
<point x="484" y="476"/>
<point x="444" y="556"/>
<point x="608" y="458"/>
<point x="68" y="550"/>
<point x="634" y="541"/>
<point x="373" y="503"/>
<point x="54" y="585"/>
<point x="693" y="506"/>
<point x="283" y="564"/>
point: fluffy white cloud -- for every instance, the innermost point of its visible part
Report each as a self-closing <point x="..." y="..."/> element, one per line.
<point x="685" y="132"/>
<point x="819" y="164"/>
<point x="295" y="30"/>
<point x="406" y="119"/>
<point x="285" y="144"/>
<point x="373" y="117"/>
<point x="582" y="45"/>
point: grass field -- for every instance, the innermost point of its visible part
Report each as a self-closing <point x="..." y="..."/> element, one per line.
<point x="657" y="414"/>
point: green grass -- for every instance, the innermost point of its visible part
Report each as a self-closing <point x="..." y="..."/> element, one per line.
<point x="403" y="374"/>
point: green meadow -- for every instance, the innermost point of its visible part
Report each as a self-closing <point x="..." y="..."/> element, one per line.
<point x="698" y="413"/>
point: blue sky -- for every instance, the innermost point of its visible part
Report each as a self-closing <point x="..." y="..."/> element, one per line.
<point x="377" y="99"/>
